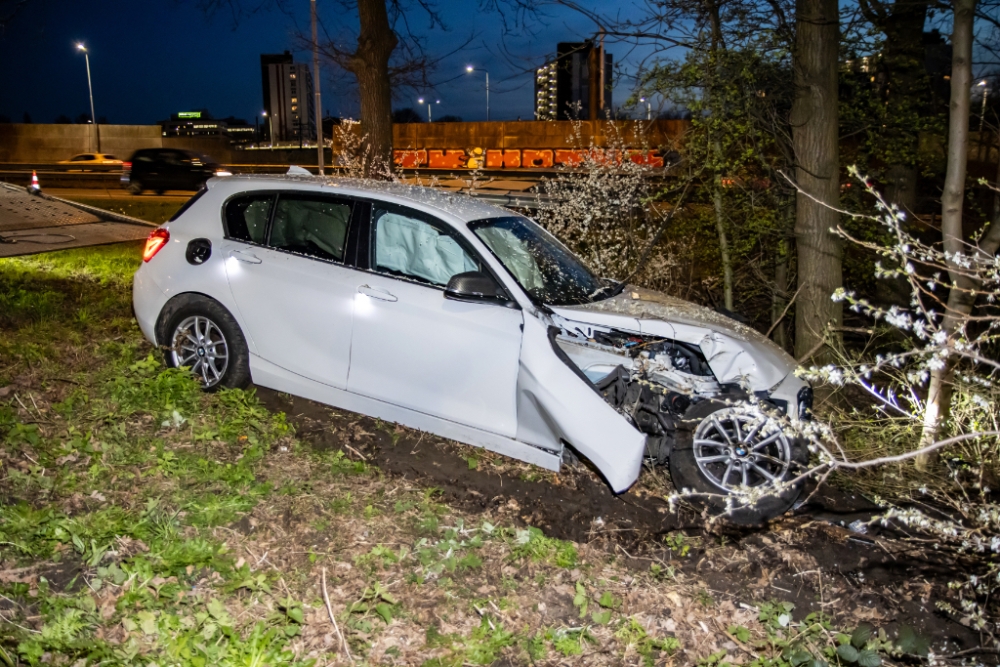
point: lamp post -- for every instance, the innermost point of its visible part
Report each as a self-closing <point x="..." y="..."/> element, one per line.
<point x="982" y="114"/>
<point x="318" y="106"/>
<point x="986" y="91"/>
<point x="90" y="87"/>
<point x="421" y="101"/>
<point x="470" y="69"/>
<point x="270" y="134"/>
<point x="649" y="108"/>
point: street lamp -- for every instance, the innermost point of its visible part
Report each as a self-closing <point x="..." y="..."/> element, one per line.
<point x="93" y="118"/>
<point x="649" y="108"/>
<point x="421" y="101"/>
<point x="986" y="91"/>
<point x="270" y="134"/>
<point x="318" y="102"/>
<point x="470" y="69"/>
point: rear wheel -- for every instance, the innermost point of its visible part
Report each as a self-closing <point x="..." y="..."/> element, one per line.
<point x="724" y="448"/>
<point x="202" y="335"/>
<point x="135" y="187"/>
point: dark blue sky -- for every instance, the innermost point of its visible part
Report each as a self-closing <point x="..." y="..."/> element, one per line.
<point x="151" y="58"/>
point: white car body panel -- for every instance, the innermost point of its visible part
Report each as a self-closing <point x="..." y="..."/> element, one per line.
<point x="415" y="349"/>
<point x="460" y="370"/>
<point x="298" y="310"/>
<point x="269" y="375"/>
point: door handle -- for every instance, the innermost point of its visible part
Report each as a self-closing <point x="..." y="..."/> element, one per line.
<point x="245" y="256"/>
<point x="376" y="293"/>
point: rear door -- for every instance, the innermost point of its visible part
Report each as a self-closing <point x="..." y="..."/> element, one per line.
<point x="414" y="348"/>
<point x="286" y="268"/>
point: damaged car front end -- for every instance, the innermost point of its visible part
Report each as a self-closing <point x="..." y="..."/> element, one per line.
<point x="621" y="375"/>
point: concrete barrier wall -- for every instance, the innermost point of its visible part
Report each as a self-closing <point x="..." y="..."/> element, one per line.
<point x="51" y="143"/>
<point x="38" y="143"/>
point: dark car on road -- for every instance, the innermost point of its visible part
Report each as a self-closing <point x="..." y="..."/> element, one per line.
<point x="162" y="169"/>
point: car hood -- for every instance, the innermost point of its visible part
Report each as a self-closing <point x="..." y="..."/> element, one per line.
<point x="734" y="351"/>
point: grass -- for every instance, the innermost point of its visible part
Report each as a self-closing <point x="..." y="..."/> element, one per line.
<point x="145" y="522"/>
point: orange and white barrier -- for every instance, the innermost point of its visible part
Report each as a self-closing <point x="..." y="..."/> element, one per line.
<point x="516" y="158"/>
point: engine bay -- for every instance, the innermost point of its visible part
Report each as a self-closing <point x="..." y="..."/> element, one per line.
<point x="649" y="380"/>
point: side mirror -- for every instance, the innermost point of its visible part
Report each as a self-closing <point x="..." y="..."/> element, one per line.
<point x="475" y="286"/>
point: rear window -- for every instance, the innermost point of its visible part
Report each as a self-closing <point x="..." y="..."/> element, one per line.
<point x="247" y="217"/>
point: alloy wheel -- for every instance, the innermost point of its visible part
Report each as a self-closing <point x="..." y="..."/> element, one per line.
<point x="200" y="345"/>
<point x="734" y="449"/>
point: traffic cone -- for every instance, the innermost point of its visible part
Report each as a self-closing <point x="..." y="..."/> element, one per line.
<point x="34" y="188"/>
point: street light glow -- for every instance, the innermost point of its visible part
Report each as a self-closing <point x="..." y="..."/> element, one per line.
<point x="81" y="47"/>
<point x="420" y="100"/>
<point x="982" y="83"/>
<point x="469" y="68"/>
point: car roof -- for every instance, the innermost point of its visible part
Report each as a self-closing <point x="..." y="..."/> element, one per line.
<point x="463" y="207"/>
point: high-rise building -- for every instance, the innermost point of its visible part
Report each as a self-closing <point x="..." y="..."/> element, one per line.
<point x="288" y="98"/>
<point x="576" y="85"/>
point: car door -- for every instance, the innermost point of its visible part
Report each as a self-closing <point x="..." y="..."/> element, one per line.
<point x="285" y="263"/>
<point x="414" y="348"/>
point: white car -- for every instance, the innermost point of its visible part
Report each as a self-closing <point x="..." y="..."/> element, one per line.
<point x="469" y="321"/>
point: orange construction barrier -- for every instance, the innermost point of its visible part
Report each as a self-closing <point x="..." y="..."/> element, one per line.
<point x="537" y="158"/>
<point x="448" y="159"/>
<point x="410" y="159"/>
<point x="503" y="159"/>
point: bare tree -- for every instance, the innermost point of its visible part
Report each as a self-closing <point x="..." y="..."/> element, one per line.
<point x="817" y="157"/>
<point x="963" y="288"/>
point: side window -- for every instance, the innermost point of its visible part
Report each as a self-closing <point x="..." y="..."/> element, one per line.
<point x="311" y="225"/>
<point x="247" y="217"/>
<point x="409" y="247"/>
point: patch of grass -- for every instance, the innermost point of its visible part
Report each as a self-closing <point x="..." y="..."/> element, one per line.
<point x="531" y="543"/>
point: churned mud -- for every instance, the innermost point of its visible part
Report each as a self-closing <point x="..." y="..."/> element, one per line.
<point x="825" y="556"/>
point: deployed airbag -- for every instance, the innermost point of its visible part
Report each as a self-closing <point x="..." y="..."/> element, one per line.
<point x="415" y="248"/>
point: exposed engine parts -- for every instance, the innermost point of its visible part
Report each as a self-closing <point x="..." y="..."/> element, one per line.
<point x="650" y="381"/>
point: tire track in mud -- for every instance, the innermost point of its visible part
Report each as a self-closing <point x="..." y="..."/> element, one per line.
<point x="810" y="557"/>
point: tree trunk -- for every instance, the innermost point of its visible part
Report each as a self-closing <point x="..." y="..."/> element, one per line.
<point x="720" y="227"/>
<point x="960" y="303"/>
<point x="714" y="101"/>
<point x="817" y="172"/>
<point x="907" y="92"/>
<point x="370" y="65"/>
<point x="780" y="298"/>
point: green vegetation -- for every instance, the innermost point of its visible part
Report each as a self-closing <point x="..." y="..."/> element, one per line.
<point x="143" y="521"/>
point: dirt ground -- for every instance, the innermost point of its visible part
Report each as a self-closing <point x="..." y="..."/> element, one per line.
<point x="810" y="557"/>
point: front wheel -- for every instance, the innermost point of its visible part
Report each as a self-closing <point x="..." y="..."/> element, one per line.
<point x="202" y="335"/>
<point x="726" y="448"/>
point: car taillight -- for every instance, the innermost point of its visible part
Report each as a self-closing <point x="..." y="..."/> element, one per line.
<point x="157" y="239"/>
<point x="126" y="166"/>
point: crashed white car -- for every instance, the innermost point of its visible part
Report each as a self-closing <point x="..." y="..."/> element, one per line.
<point x="469" y="321"/>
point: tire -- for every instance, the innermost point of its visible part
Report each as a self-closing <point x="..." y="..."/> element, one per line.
<point x="135" y="187"/>
<point x="197" y="331"/>
<point x="783" y="457"/>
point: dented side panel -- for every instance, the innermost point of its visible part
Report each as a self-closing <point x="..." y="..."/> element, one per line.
<point x="556" y="405"/>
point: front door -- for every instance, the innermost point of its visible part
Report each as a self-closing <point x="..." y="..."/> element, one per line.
<point x="295" y="295"/>
<point x="414" y="348"/>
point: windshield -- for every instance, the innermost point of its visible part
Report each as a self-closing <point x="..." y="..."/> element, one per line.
<point x="542" y="266"/>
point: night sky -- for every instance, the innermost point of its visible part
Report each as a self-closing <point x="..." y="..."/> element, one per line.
<point x="151" y="58"/>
